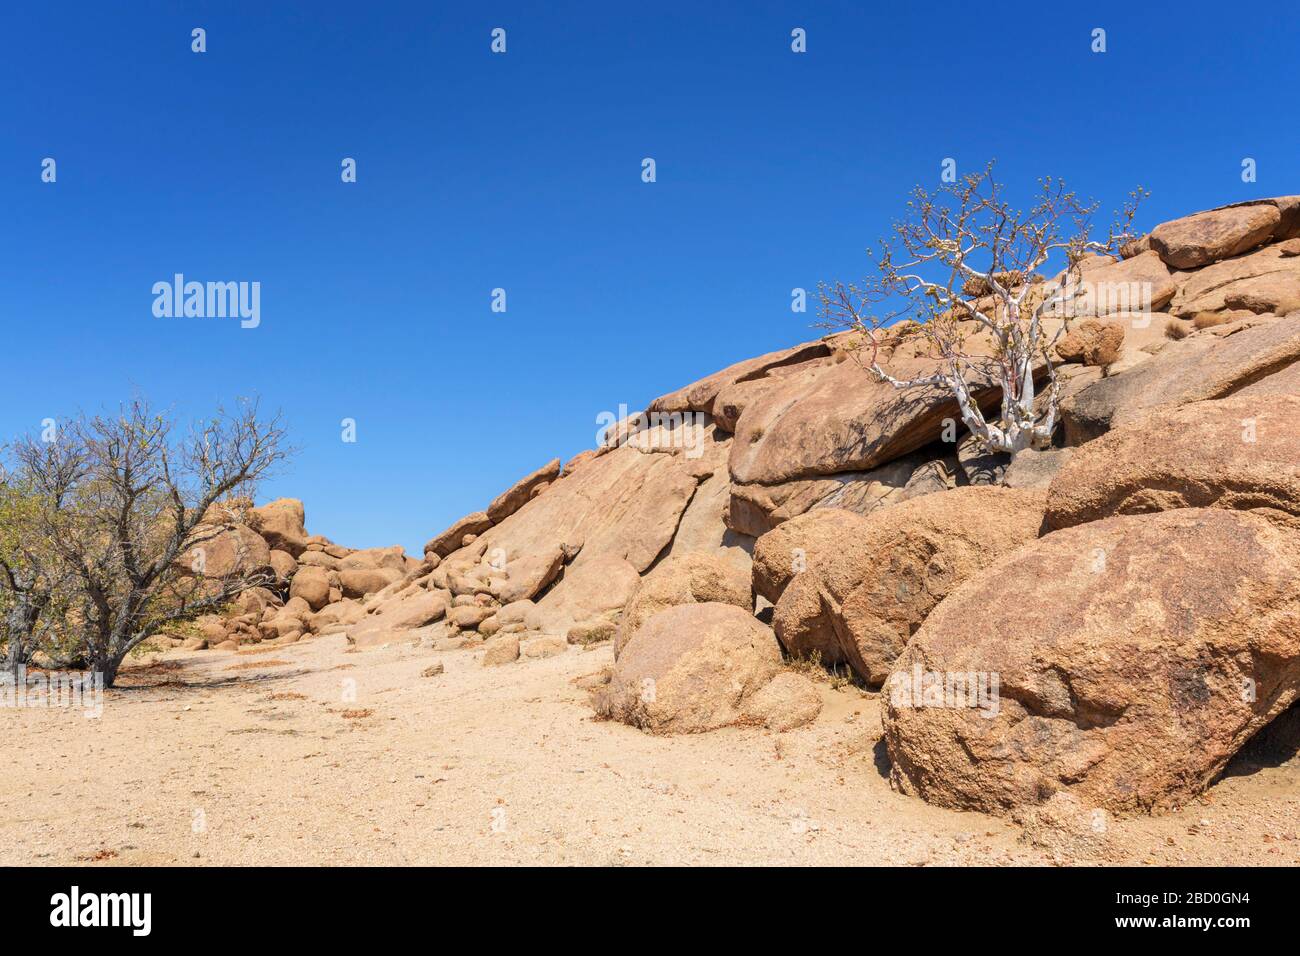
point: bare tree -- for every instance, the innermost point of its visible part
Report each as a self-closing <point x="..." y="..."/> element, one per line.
<point x="139" y="505"/>
<point x="961" y="269"/>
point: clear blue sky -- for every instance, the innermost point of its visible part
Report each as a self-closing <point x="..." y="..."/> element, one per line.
<point x="523" y="171"/>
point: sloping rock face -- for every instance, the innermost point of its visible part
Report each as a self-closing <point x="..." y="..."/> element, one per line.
<point x="625" y="503"/>
<point x="593" y="590"/>
<point x="1132" y="657"/>
<point x="452" y="538"/>
<point x="690" y="669"/>
<point x="757" y="509"/>
<point x="1241" y="452"/>
<point x="1196" y="369"/>
<point x="515" y="497"/>
<point x="1284" y="382"/>
<point x="865" y="597"/>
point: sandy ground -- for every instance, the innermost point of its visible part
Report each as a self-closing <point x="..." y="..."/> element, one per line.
<point x="317" y="754"/>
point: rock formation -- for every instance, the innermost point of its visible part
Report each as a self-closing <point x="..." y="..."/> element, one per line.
<point x="1132" y="588"/>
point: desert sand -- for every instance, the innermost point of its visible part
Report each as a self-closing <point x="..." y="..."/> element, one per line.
<point x="318" y="753"/>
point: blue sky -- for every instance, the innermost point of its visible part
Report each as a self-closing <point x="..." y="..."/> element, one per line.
<point x="523" y="171"/>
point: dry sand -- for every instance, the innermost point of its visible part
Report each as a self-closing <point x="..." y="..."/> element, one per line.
<point x="264" y="757"/>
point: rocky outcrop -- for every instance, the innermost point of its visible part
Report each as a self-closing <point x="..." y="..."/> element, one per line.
<point x="1133" y="657"/>
<point x="310" y="585"/>
<point x="1194" y="369"/>
<point x="1122" y="605"/>
<point x="1241" y="452"/>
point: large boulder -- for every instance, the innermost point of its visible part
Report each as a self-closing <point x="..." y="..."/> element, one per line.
<point x="863" y="602"/>
<point x="1240" y="452"/>
<point x="808" y="541"/>
<point x="694" y="578"/>
<point x="312" y="585"/>
<point x="1124" y="661"/>
<point x="1195" y="369"/>
<point x="282" y="523"/>
<point x="1092" y="343"/>
<point x="1139" y="284"/>
<point x="829" y="417"/>
<point x="283" y="565"/>
<point x="360" y="582"/>
<point x="527" y="576"/>
<point x="371" y="559"/>
<point x="224" y="551"/>
<point x="1206" y="237"/>
<point x="518" y="494"/>
<point x="689" y="669"/>
<point x="318" y="559"/>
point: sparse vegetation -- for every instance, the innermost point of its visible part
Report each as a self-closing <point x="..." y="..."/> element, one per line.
<point x="961" y="269"/>
<point x="104" y="524"/>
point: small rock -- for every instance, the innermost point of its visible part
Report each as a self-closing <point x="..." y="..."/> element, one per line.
<point x="502" y="649"/>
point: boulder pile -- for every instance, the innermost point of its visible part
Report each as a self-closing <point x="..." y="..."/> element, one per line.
<point x="1100" y="624"/>
<point x="312" y="584"/>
